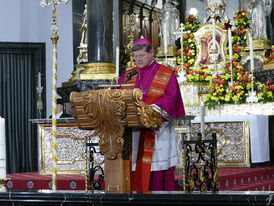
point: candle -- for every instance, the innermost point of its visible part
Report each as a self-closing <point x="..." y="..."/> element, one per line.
<point x="251" y="53"/>
<point x="182" y="52"/>
<point x="2" y="149"/>
<point x="165" y="40"/>
<point x="117" y="62"/>
<point x="202" y="108"/>
<point x="39" y="80"/>
<point x="230" y="44"/>
<point x="230" y="53"/>
<point x="214" y="34"/>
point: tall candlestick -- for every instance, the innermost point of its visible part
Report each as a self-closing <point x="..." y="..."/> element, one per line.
<point x="202" y="108"/>
<point x="214" y="34"/>
<point x="39" y="79"/>
<point x="117" y="62"/>
<point x="252" y="95"/>
<point x="2" y="149"/>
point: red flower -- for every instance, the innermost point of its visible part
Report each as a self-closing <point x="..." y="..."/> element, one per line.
<point x="238" y="91"/>
<point x="241" y="79"/>
<point x="246" y="74"/>
<point x="268" y="82"/>
<point x="227" y="65"/>
<point x="239" y="70"/>
<point x="235" y="65"/>
<point x="270" y="88"/>
<point x="249" y="80"/>
<point x="205" y="75"/>
<point x="179" y="53"/>
<point x="260" y="90"/>
<point x="191" y="71"/>
<point x="216" y="85"/>
<point x="214" y="80"/>
<point x="222" y="81"/>
<point x="188" y="54"/>
<point x="237" y="50"/>
<point x="186" y="65"/>
<point x="235" y="84"/>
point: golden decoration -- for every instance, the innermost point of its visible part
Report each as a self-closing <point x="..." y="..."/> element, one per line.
<point x="71" y="144"/>
<point x="108" y="112"/>
<point x="131" y="27"/>
<point x="205" y="32"/>
<point x="96" y="71"/>
<point x="236" y="140"/>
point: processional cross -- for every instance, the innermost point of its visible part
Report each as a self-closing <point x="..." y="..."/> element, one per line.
<point x="179" y="34"/>
<point x="54" y="38"/>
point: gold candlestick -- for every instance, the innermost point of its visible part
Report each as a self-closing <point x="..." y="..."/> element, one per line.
<point x="131" y="28"/>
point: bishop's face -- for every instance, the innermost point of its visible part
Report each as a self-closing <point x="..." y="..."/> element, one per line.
<point x="143" y="58"/>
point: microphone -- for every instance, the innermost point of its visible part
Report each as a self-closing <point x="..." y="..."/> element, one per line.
<point x="130" y="75"/>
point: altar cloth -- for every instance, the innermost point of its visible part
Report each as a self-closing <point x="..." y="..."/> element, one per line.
<point x="259" y="133"/>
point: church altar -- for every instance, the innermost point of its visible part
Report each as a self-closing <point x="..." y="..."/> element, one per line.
<point x="238" y="142"/>
<point x="70" y="143"/>
<point x="234" y="109"/>
<point x="194" y="94"/>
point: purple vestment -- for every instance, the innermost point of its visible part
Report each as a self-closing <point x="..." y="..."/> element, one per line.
<point x="165" y="153"/>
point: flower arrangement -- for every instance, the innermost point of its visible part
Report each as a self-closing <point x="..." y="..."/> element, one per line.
<point x="266" y="92"/>
<point x="220" y="88"/>
<point x="269" y="56"/>
<point x="242" y="24"/>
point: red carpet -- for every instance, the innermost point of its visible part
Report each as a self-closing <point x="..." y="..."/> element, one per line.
<point x="231" y="179"/>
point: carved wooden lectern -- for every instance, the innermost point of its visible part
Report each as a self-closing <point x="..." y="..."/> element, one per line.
<point x="109" y="112"/>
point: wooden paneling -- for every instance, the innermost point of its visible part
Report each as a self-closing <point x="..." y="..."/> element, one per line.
<point x="145" y="15"/>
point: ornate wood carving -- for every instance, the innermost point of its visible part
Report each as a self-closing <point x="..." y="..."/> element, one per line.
<point x="108" y="112"/>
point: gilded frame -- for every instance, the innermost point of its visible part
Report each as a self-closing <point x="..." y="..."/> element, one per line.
<point x="69" y="139"/>
<point x="240" y="136"/>
<point x="205" y="34"/>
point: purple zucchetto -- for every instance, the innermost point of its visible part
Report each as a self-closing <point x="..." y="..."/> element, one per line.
<point x="141" y="41"/>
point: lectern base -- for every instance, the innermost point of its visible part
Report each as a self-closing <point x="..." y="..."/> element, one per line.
<point x="117" y="175"/>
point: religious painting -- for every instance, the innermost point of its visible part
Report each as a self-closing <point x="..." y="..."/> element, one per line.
<point x="206" y="54"/>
